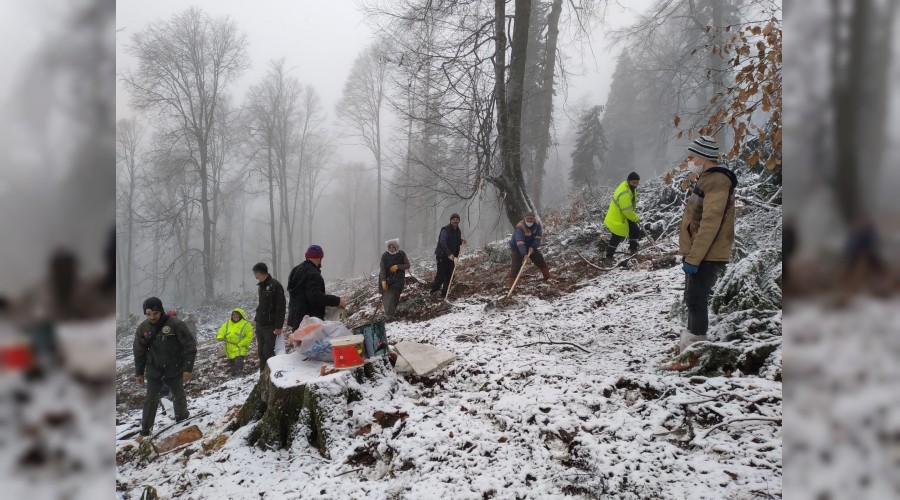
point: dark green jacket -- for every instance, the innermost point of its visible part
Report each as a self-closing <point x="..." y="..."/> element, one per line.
<point x="166" y="349"/>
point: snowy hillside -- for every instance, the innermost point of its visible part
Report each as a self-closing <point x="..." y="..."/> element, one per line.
<point x="592" y="411"/>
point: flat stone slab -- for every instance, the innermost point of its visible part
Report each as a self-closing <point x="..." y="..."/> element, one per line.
<point x="423" y="359"/>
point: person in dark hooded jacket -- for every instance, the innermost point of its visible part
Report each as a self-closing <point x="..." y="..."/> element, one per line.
<point x="164" y="350"/>
<point x="306" y="289"/>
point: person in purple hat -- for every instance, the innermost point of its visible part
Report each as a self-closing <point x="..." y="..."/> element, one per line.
<point x="306" y="289"/>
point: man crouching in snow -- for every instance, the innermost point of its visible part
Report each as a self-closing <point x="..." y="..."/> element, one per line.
<point x="706" y="235"/>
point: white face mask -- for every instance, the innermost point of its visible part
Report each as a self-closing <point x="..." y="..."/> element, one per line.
<point x="529" y="224"/>
<point x="694" y="167"/>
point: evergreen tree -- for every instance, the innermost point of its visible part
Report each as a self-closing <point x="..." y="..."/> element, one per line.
<point x="622" y="120"/>
<point x="590" y="150"/>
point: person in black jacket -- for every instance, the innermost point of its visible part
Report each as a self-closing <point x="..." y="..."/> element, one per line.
<point x="307" y="289"/>
<point x="446" y="252"/>
<point x="394" y="264"/>
<point x="164" y="350"/>
<point x="269" y="313"/>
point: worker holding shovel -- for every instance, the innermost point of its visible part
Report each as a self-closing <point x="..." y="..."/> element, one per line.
<point x="525" y="241"/>
<point x="446" y="253"/>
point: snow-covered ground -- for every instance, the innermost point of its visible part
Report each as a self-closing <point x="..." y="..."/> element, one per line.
<point x="842" y="438"/>
<point x="510" y="420"/>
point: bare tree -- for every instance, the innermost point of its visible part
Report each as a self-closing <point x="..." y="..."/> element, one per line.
<point x="360" y="108"/>
<point x="184" y="68"/>
<point x="317" y="156"/>
<point x="272" y="113"/>
<point x="508" y="96"/>
<point x="129" y="135"/>
<point x="457" y="54"/>
<point x="223" y="142"/>
<point x="351" y="183"/>
<point x="861" y="43"/>
<point x="314" y="152"/>
<point x="544" y="105"/>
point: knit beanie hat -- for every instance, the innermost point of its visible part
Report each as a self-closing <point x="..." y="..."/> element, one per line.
<point x="153" y="304"/>
<point x="705" y="147"/>
<point x="454" y="216"/>
<point x="634" y="176"/>
<point x="314" y="252"/>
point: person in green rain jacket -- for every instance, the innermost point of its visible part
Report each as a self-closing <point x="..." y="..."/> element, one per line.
<point x="237" y="334"/>
<point x="621" y="218"/>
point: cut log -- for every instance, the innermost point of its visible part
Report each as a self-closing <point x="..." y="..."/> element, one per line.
<point x="182" y="437"/>
<point x="292" y="399"/>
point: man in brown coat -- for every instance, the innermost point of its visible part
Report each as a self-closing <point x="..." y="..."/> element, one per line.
<point x="706" y="234"/>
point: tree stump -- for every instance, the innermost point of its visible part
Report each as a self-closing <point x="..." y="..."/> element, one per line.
<point x="291" y="397"/>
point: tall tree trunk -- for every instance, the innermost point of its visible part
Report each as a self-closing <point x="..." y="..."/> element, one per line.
<point x="129" y="256"/>
<point x="351" y="229"/>
<point x="155" y="291"/>
<point x="876" y="98"/>
<point x="510" y="183"/>
<point x="243" y="215"/>
<point x="272" y="212"/>
<point x="309" y="217"/>
<point x="408" y="167"/>
<point x="717" y="59"/>
<point x="207" y="220"/>
<point x="213" y="251"/>
<point x="546" y="105"/>
<point x="285" y="214"/>
<point x="378" y="232"/>
<point x="847" y="81"/>
<point x="300" y="187"/>
<point x="120" y="290"/>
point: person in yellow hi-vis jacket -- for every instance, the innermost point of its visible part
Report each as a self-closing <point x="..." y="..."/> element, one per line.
<point x="237" y="334"/>
<point x="621" y="218"/>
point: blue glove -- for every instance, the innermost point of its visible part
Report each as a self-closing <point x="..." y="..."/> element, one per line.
<point x="689" y="268"/>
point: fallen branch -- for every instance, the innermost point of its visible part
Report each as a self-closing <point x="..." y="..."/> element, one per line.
<point x="556" y="343"/>
<point x="348" y="472"/>
<point x="760" y="204"/>
<point x="298" y="455"/>
<point x="617" y="264"/>
<point x="744" y="419"/>
<point x="589" y="262"/>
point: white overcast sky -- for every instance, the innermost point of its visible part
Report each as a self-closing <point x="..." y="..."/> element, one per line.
<point x="320" y="40"/>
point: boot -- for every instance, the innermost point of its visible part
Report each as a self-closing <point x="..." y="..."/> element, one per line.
<point x="545" y="271"/>
<point x="509" y="282"/>
<point x="687" y="338"/>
